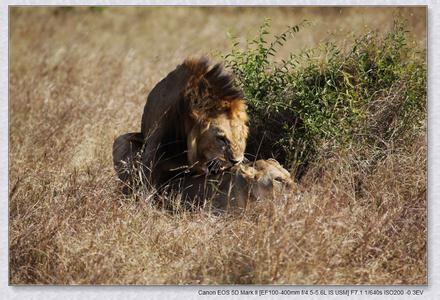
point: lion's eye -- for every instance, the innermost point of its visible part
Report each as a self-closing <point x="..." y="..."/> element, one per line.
<point x="223" y="141"/>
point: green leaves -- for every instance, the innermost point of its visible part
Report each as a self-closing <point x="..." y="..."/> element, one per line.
<point x="328" y="95"/>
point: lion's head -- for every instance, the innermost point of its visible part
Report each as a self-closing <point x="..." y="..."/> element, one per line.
<point x="217" y="143"/>
<point x="217" y="123"/>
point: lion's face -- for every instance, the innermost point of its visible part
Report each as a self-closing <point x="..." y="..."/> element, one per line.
<point x="217" y="144"/>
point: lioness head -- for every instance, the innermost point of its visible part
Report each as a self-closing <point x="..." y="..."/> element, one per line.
<point x="218" y="142"/>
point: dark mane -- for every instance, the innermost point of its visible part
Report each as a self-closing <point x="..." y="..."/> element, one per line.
<point x="212" y="81"/>
<point x="223" y="83"/>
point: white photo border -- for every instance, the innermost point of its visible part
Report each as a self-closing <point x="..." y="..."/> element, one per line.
<point x="430" y="291"/>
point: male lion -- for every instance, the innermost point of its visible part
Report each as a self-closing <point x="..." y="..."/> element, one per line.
<point x="194" y="121"/>
<point x="234" y="188"/>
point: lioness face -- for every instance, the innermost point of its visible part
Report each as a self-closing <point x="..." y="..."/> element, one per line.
<point x="217" y="144"/>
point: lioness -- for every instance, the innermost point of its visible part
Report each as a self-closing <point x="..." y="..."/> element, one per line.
<point x="234" y="188"/>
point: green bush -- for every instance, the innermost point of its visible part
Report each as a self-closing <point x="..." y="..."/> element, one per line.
<point x="373" y="93"/>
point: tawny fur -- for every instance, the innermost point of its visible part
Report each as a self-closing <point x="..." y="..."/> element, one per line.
<point x="235" y="189"/>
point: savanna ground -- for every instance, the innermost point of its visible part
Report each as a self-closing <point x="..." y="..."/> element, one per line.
<point x="79" y="78"/>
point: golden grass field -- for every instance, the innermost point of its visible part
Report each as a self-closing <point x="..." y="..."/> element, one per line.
<point x="80" y="77"/>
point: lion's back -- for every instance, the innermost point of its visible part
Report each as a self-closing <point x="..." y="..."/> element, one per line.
<point x="163" y="97"/>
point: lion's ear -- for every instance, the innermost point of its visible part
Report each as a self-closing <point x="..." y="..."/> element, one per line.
<point x="195" y="114"/>
<point x="199" y="115"/>
<point x="192" y="148"/>
<point x="237" y="109"/>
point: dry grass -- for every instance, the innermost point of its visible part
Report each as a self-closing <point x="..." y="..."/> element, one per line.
<point x="80" y="78"/>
